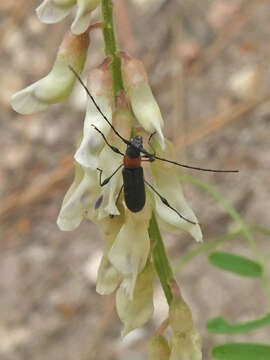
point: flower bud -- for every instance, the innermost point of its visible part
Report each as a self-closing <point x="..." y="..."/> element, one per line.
<point x="131" y="247"/>
<point x="57" y="85"/>
<point x="186" y="346"/>
<point x="108" y="277"/>
<point x="79" y="200"/>
<point x="142" y="101"/>
<point x="180" y="317"/>
<point x="170" y="187"/>
<point x="136" y="312"/>
<point x="83" y="15"/>
<point x="158" y="348"/>
<point x="52" y="11"/>
<point x="100" y="86"/>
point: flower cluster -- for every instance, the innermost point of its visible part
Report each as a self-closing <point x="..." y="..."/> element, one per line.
<point x="126" y="266"/>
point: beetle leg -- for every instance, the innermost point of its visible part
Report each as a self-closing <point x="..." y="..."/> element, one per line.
<point x="165" y="202"/>
<point x="105" y="181"/>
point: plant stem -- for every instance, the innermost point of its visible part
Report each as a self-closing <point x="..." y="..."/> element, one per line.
<point x="208" y="246"/>
<point x="160" y="257"/>
<point x="110" y="46"/>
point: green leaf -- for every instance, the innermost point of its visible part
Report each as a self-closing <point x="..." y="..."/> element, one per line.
<point x="235" y="264"/>
<point x="219" y="325"/>
<point x="241" y="351"/>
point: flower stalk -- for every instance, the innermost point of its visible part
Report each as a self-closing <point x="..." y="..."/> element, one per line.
<point x="111" y="47"/>
<point x="161" y="262"/>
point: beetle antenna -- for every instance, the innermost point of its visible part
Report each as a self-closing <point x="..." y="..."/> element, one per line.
<point x="97" y="106"/>
<point x="194" y="167"/>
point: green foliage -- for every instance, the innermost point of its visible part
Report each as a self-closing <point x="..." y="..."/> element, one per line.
<point x="241" y="351"/>
<point x="236" y="264"/>
<point x="219" y="325"/>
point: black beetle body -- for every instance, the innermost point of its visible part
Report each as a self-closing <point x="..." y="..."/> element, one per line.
<point x="134" y="189"/>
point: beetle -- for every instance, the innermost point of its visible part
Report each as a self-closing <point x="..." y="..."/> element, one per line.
<point x="133" y="179"/>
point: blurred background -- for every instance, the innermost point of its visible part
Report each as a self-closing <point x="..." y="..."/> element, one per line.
<point x="207" y="62"/>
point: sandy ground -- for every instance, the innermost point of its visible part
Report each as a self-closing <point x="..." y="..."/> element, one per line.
<point x="192" y="50"/>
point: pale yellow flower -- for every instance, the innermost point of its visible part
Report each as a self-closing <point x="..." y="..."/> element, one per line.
<point x="143" y="102"/>
<point x="166" y="179"/>
<point x="100" y="86"/>
<point x="52" y="11"/>
<point x="137" y="311"/>
<point x="131" y="247"/>
<point x="58" y="84"/>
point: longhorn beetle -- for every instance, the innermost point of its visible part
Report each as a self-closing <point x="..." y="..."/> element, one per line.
<point x="133" y="179"/>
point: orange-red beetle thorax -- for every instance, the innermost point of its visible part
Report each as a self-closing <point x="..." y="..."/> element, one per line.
<point x="132" y="162"/>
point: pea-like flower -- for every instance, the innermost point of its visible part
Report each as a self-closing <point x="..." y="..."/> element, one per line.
<point x="108" y="277"/>
<point x="186" y="341"/>
<point x="131" y="247"/>
<point x="136" y="311"/>
<point x="52" y="11"/>
<point x="100" y="85"/>
<point x="79" y="201"/>
<point x="170" y="187"/>
<point x="143" y="103"/>
<point x="58" y="84"/>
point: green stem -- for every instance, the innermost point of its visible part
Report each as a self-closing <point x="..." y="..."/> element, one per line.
<point x="190" y="255"/>
<point x="160" y="257"/>
<point x="242" y="227"/>
<point x="110" y="46"/>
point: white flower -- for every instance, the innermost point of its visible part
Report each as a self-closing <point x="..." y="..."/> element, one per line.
<point x="137" y="311"/>
<point x="83" y="15"/>
<point x="100" y="86"/>
<point x="52" y="11"/>
<point x="108" y="277"/>
<point x="167" y="183"/>
<point x="80" y="200"/>
<point x="58" y="84"/>
<point x="131" y="247"/>
<point x="143" y="103"/>
<point x="109" y="161"/>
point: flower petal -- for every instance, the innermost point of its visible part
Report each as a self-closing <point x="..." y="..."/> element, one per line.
<point x="142" y="100"/>
<point x="136" y="312"/>
<point x="131" y="247"/>
<point x="108" y="277"/>
<point x="170" y="188"/>
<point x="100" y="86"/>
<point x="79" y="200"/>
<point x="83" y="15"/>
<point x="52" y="11"/>
<point x="57" y="85"/>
